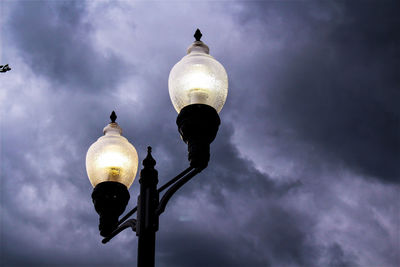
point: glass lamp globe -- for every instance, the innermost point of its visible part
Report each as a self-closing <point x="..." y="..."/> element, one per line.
<point x="112" y="158"/>
<point x="198" y="79"/>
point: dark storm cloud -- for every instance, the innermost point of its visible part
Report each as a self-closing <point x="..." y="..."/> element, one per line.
<point x="337" y="257"/>
<point x="295" y="84"/>
<point x="335" y="81"/>
<point x="268" y="233"/>
<point x="55" y="39"/>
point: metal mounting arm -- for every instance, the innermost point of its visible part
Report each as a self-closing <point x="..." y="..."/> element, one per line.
<point x="124" y="223"/>
<point x="175" y="187"/>
<point x="162" y="188"/>
<point x="173" y="180"/>
<point x="129" y="223"/>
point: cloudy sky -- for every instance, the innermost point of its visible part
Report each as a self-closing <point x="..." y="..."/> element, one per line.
<point x="305" y="168"/>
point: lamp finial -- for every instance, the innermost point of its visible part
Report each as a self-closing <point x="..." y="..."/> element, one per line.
<point x="197" y="35"/>
<point x="149" y="161"/>
<point x="113" y="116"/>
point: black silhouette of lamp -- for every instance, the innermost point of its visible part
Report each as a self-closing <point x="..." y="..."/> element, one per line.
<point x="198" y="87"/>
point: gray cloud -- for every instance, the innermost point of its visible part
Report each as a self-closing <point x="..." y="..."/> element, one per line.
<point x="56" y="41"/>
<point x="303" y="132"/>
<point x="332" y="82"/>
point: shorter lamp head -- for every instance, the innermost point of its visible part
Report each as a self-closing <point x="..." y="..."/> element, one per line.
<point x="111" y="164"/>
<point x="112" y="157"/>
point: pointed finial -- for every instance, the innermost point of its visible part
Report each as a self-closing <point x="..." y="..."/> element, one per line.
<point x="149" y="162"/>
<point x="113" y="116"/>
<point x="197" y="35"/>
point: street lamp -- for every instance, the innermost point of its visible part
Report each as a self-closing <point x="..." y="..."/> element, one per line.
<point x="198" y="87"/>
<point x="111" y="164"/>
<point x="198" y="79"/>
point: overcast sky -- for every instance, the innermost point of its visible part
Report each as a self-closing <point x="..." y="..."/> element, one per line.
<point x="305" y="170"/>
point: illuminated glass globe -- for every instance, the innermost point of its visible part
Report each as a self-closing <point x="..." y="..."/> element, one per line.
<point x="112" y="158"/>
<point x="198" y="79"/>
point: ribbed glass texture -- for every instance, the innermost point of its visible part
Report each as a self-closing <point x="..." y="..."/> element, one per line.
<point x="198" y="79"/>
<point x="112" y="158"/>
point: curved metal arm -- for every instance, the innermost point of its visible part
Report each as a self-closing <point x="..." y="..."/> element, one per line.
<point x="167" y="196"/>
<point x="176" y="182"/>
<point x="129" y="214"/>
<point x="173" y="180"/>
<point x="129" y="223"/>
<point x="162" y="188"/>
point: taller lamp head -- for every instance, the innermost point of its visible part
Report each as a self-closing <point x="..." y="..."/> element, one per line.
<point x="198" y="87"/>
<point x="198" y="78"/>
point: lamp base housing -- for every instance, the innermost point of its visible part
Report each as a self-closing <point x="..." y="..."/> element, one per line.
<point x="110" y="200"/>
<point x="198" y="125"/>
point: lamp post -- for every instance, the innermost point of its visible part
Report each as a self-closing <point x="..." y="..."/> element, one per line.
<point x="198" y="87"/>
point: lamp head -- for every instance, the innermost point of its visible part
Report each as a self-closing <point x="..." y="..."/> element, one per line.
<point x="111" y="165"/>
<point x="198" y="78"/>
<point x="112" y="157"/>
<point x="198" y="87"/>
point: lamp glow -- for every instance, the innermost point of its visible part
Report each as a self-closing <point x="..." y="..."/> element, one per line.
<point x="112" y="158"/>
<point x="198" y="79"/>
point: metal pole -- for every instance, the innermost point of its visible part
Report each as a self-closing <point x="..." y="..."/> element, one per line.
<point x="147" y="219"/>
